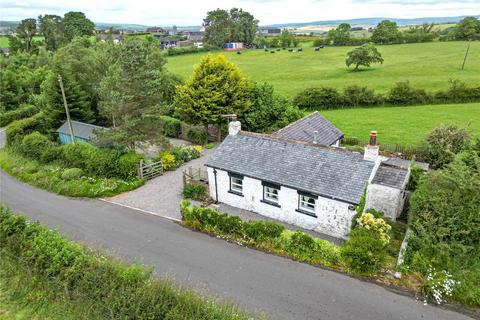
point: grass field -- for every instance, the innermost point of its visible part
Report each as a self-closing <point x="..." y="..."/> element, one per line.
<point x="425" y="65"/>
<point x="404" y="125"/>
<point x="5" y="42"/>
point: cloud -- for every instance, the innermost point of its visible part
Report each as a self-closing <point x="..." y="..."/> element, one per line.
<point x="191" y="12"/>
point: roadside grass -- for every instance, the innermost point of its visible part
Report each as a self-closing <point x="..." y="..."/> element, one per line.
<point x="426" y="65"/>
<point x="404" y="125"/>
<point x="49" y="177"/>
<point x="45" y="274"/>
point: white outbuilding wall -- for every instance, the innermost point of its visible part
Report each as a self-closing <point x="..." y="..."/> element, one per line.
<point x="386" y="199"/>
<point x="333" y="217"/>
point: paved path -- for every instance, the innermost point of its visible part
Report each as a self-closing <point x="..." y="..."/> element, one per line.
<point x="161" y="195"/>
<point x="283" y="288"/>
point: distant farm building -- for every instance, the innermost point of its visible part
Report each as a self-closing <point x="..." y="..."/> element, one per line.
<point x="269" y="31"/>
<point x="233" y="46"/>
<point x="83" y="132"/>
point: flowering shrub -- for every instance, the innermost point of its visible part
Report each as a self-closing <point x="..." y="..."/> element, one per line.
<point x="368" y="221"/>
<point x="440" y="284"/>
<point x="168" y="161"/>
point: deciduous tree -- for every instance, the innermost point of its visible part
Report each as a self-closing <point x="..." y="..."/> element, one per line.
<point x="386" y="32"/>
<point x="76" y="24"/>
<point x="363" y="56"/>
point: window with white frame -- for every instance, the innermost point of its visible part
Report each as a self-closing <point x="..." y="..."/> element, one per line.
<point x="236" y="184"/>
<point x="270" y="193"/>
<point x="307" y="203"/>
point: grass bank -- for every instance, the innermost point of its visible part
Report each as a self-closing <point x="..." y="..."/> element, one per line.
<point x="426" y="65"/>
<point x="404" y="125"/>
<point x="49" y="177"/>
<point x="62" y="277"/>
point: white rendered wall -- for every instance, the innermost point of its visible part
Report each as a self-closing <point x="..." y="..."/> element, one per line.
<point x="333" y="217"/>
<point x="386" y="199"/>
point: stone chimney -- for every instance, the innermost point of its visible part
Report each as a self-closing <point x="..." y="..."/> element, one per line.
<point x="234" y="126"/>
<point x="372" y="149"/>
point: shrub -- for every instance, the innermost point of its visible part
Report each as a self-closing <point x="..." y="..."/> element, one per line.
<point x="171" y="126"/>
<point x="72" y="173"/>
<point x="21" y="127"/>
<point x="168" y="161"/>
<point x="34" y="144"/>
<point x="197" y="136"/>
<point x="443" y="143"/>
<point x="415" y="174"/>
<point x="368" y="221"/>
<point x="360" y="96"/>
<point x="23" y="111"/>
<point x="51" y="154"/>
<point x="318" y="99"/>
<point x="458" y="91"/>
<point x="404" y="94"/>
<point x="364" y="252"/>
<point x="195" y="192"/>
<point x="301" y="242"/>
<point x="209" y="145"/>
<point x="127" y="165"/>
<point x="262" y="230"/>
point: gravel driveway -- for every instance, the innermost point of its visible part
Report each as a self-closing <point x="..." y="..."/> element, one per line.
<point x="161" y="195"/>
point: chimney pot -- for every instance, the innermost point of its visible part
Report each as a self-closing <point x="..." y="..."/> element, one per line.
<point x="372" y="150"/>
<point x="234" y="126"/>
<point x="373" y="138"/>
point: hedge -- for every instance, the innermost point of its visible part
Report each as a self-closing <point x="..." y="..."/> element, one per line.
<point x="125" y="291"/>
<point x="402" y="93"/>
<point x="23" y="111"/>
<point x="19" y="128"/>
<point x="197" y="136"/>
<point x="266" y="235"/>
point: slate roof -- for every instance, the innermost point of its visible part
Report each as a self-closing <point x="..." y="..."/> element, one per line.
<point x="389" y="176"/>
<point x="304" y="128"/>
<point x="80" y="129"/>
<point x="405" y="164"/>
<point x="324" y="171"/>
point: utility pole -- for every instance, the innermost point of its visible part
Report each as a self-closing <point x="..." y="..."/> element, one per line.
<point x="466" y="54"/>
<point x="66" y="109"/>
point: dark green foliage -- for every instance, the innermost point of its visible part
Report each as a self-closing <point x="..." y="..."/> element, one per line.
<point x="301" y="242"/>
<point x="468" y="29"/>
<point x="443" y="143"/>
<point x="356" y="96"/>
<point x="116" y="290"/>
<point x="18" y="128"/>
<point x="386" y="32"/>
<point x="262" y="230"/>
<point x="172" y="51"/>
<point x="404" y="94"/>
<point x="197" y="136"/>
<point x="445" y="224"/>
<point x="23" y="111"/>
<point x="72" y="173"/>
<point x="196" y="192"/>
<point x="322" y="98"/>
<point x="76" y="24"/>
<point x="458" y="91"/>
<point x="126" y="165"/>
<point x="268" y="111"/>
<point x="171" y="126"/>
<point x="415" y="174"/>
<point x="52" y="28"/>
<point x="364" y="252"/>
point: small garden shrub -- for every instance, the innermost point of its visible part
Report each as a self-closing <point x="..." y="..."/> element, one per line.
<point x="168" y="160"/>
<point x="197" y="136"/>
<point x="177" y="156"/>
<point x="72" y="173"/>
<point x="195" y="192"/>
<point x="301" y="242"/>
<point x="364" y="252"/>
<point x="171" y="126"/>
<point x="34" y="144"/>
<point x="262" y="230"/>
<point x="368" y="221"/>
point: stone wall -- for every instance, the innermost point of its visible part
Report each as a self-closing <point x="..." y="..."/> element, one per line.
<point x="386" y="199"/>
<point x="333" y="217"/>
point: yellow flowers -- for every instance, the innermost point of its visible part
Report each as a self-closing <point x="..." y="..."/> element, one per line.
<point x="168" y="161"/>
<point x="368" y="221"/>
<point x="198" y="149"/>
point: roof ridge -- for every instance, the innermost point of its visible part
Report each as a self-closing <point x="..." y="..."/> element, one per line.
<point x="301" y="119"/>
<point x="298" y="142"/>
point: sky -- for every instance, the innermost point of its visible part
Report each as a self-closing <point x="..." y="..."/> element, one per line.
<point x="191" y="12"/>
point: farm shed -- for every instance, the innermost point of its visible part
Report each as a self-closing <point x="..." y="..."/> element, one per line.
<point x="82" y="132"/>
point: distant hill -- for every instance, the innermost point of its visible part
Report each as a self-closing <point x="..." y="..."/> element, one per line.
<point x="373" y="21"/>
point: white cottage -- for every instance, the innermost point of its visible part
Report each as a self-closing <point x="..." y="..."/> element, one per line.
<point x="303" y="183"/>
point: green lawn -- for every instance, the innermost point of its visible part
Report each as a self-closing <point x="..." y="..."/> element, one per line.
<point x="5" y="42"/>
<point x="425" y="65"/>
<point x="404" y="125"/>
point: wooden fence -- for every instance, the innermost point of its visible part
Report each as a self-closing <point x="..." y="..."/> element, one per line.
<point x="194" y="176"/>
<point x="403" y="150"/>
<point x="150" y="170"/>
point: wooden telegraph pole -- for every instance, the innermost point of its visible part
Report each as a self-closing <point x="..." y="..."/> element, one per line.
<point x="66" y="109"/>
<point x="466" y="54"/>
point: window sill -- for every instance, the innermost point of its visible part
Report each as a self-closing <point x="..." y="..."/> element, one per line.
<point x="311" y="214"/>
<point x="270" y="203"/>
<point x="236" y="193"/>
